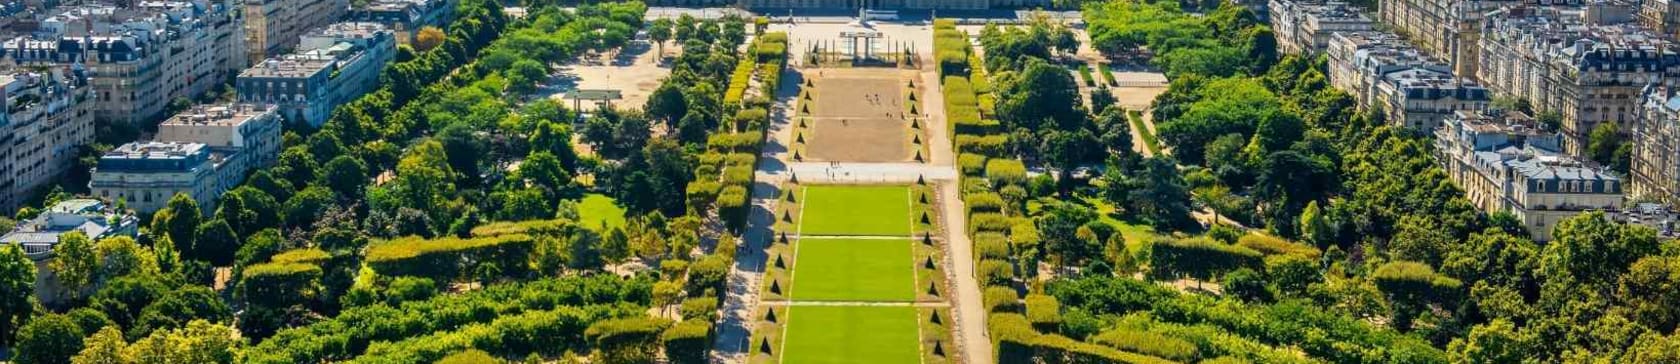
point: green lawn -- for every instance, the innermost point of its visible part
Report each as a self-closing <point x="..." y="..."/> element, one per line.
<point x="598" y="209"/>
<point x="851" y="334"/>
<point x="854" y="270"/>
<point x="856" y="210"/>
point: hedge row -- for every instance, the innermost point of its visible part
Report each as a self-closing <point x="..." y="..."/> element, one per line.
<point x="991" y="246"/>
<point x="1044" y="312"/>
<point x="351" y="332"/>
<point x="1015" y="341"/>
<point x="1006" y="172"/>
<point x="995" y="145"/>
<point x="527" y="227"/>
<point x="1150" y="343"/>
<point x="445" y="259"/>
<point x="1200" y="258"/>
<point x="983" y="202"/>
<point x="1270" y="245"/>
<point x="971" y="164"/>
<point x="545" y="332"/>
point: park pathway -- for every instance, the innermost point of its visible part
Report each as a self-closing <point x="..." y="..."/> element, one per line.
<point x="735" y="323"/>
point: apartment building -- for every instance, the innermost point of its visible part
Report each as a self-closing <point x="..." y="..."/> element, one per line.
<point x="1655" y="166"/>
<point x="1385" y="73"/>
<point x="406" y="17"/>
<point x="1448" y="30"/>
<point x="202" y="152"/>
<point x="338" y="64"/>
<point x="1306" y="26"/>
<point x="253" y="129"/>
<point x="145" y="175"/>
<point x="49" y="113"/>
<point x="1589" y="64"/>
<point x="139" y="58"/>
<point x="1506" y="163"/>
<point x="272" y="27"/>
<point x="1419" y="97"/>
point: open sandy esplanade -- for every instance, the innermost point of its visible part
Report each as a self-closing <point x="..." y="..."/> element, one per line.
<point x="635" y="74"/>
<point x="858" y="116"/>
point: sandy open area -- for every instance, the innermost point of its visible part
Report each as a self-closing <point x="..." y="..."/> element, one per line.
<point x="635" y="72"/>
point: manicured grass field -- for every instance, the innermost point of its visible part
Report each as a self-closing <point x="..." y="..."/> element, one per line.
<point x="856" y="210"/>
<point x="597" y="209"/>
<point x="854" y="270"/>
<point x="851" y="334"/>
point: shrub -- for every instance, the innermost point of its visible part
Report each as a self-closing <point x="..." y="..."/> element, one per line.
<point x="1012" y="337"/>
<point x="406" y="289"/>
<point x="1271" y="245"/>
<point x="1001" y="299"/>
<point x="993" y="272"/>
<point x="1414" y="280"/>
<point x="471" y="356"/>
<point x="687" y="342"/>
<point x="991" y="246"/>
<point x="738" y="175"/>
<point x="627" y="340"/>
<point x="305" y="255"/>
<point x="700" y="308"/>
<point x="1006" y="172"/>
<point x="988" y="222"/>
<point x="996" y="145"/>
<point x="971" y="164"/>
<point x="1044" y="312"/>
<point x="280" y="284"/>
<point x="983" y="202"/>
<point x="733" y="206"/>
<point x="737" y="142"/>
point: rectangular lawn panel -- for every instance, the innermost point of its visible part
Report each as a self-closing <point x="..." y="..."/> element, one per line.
<point x="854" y="270"/>
<point x="856" y="210"/>
<point x="851" y="334"/>
<point x="597" y="211"/>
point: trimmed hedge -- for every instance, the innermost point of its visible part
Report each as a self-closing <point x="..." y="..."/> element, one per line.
<point x="732" y="206"/>
<point x="988" y="222"/>
<point x="1015" y="341"/>
<point x="527" y="227"/>
<point x="1413" y="279"/>
<point x="280" y="284"/>
<point x="971" y="164"/>
<point x="996" y="145"/>
<point x="303" y="255"/>
<point x="737" y="142"/>
<point x="1149" y="343"/>
<point x="1270" y="245"/>
<point x="1006" y="172"/>
<point x="445" y="259"/>
<point x="1001" y="299"/>
<point x="1201" y="258"/>
<point x="991" y="246"/>
<point x="1044" y="312"/>
<point x="983" y="202"/>
<point x="627" y="340"/>
<point x="993" y="272"/>
<point x="687" y="342"/>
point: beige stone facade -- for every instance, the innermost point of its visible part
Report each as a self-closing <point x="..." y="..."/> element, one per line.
<point x="1506" y="164"/>
<point x="49" y="114"/>
<point x="1570" y="61"/>
<point x="272" y="27"/>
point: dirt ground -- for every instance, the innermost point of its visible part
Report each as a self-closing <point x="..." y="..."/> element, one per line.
<point x="859" y="140"/>
<point x="850" y="97"/>
<point x="635" y="72"/>
<point x="858" y="116"/>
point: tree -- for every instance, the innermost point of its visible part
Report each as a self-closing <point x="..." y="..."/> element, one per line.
<point x="429" y="37"/>
<point x="1245" y="284"/>
<point x="1291" y="274"/>
<point x="199" y="342"/>
<point x="17" y="288"/>
<point x="1603" y="143"/>
<point x="179" y="220"/>
<point x="121" y="256"/>
<point x="304" y="208"/>
<point x="49" y="339"/>
<point x="667" y="104"/>
<point x="1059" y="227"/>
<point x="1498" y="341"/>
<point x="345" y="175"/>
<point x="1590" y="248"/>
<point x="1288" y="181"/>
<point x="525" y="74"/>
<point x="74" y="263"/>
<point x="105" y="347"/>
<point x="1161" y="195"/>
<point x="465" y="149"/>
<point x="1066" y="151"/>
<point x="660" y="31"/>
<point x="1042" y="93"/>
<point x="217" y="243"/>
<point x="584" y="249"/>
<point x="1116" y="131"/>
